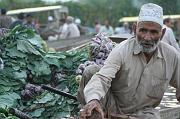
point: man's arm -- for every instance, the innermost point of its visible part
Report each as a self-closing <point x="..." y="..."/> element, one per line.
<point x="99" y="84"/>
<point x="175" y="81"/>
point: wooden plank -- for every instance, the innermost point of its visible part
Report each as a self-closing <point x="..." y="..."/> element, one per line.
<point x="67" y="44"/>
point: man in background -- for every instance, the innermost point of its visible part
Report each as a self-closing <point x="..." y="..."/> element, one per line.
<point x="97" y="26"/>
<point x="72" y="29"/>
<point x="107" y="28"/>
<point x="5" y="21"/>
<point x="29" y="22"/>
<point x="169" y="35"/>
<point x="19" y="21"/>
<point x="63" y="28"/>
<point x="123" y="30"/>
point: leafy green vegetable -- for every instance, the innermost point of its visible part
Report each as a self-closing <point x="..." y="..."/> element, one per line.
<point x="8" y="100"/>
<point x="27" y="60"/>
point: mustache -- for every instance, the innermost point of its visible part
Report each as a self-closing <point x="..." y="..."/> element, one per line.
<point x="148" y="42"/>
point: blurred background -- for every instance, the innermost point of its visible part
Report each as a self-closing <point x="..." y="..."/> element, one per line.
<point x="88" y="15"/>
<point x="90" y="10"/>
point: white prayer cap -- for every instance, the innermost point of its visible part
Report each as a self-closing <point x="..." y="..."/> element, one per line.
<point x="70" y="18"/>
<point x="78" y="21"/>
<point x="50" y="18"/>
<point x="151" y="12"/>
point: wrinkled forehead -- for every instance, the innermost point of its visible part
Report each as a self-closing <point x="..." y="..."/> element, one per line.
<point x="149" y="24"/>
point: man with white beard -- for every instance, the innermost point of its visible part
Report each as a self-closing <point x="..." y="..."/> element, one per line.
<point x="72" y="29"/>
<point x="135" y="75"/>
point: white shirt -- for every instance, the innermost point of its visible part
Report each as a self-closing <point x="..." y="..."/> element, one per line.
<point x="72" y="31"/>
<point x="170" y="38"/>
<point x="122" y="30"/>
<point x="63" y="30"/>
<point x="108" y="31"/>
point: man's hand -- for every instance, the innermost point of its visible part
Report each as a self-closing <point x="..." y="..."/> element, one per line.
<point x="91" y="106"/>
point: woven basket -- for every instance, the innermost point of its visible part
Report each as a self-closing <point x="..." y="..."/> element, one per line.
<point x="170" y="113"/>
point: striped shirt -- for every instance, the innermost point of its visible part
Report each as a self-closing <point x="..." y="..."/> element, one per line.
<point x="5" y="21"/>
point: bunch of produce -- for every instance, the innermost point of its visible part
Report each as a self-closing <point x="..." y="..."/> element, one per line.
<point x="27" y="60"/>
<point x="99" y="49"/>
<point x="30" y="91"/>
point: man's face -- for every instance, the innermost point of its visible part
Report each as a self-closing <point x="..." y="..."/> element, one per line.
<point x="61" y="23"/>
<point x="29" y="19"/>
<point x="170" y="23"/>
<point x="106" y="23"/>
<point x="148" y="36"/>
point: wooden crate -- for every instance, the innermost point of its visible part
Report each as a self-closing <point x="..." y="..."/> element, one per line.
<point x="170" y="113"/>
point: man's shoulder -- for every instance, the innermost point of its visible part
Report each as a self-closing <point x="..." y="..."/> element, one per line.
<point x="168" y="30"/>
<point x="127" y="41"/>
<point x="6" y="17"/>
<point x="110" y="27"/>
<point x="126" y="45"/>
<point x="166" y="48"/>
<point x="65" y="25"/>
<point x="103" y="27"/>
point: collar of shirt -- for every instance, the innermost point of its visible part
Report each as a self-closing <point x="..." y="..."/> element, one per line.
<point x="137" y="50"/>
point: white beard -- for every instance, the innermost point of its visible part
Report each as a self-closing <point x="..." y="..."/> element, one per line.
<point x="147" y="49"/>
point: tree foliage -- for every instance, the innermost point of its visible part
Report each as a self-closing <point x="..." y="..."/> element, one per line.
<point x="99" y="10"/>
<point x="18" y="4"/>
<point x="90" y="11"/>
<point x="169" y="6"/>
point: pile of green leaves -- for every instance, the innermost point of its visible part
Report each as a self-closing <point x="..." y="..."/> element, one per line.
<point x="27" y="59"/>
